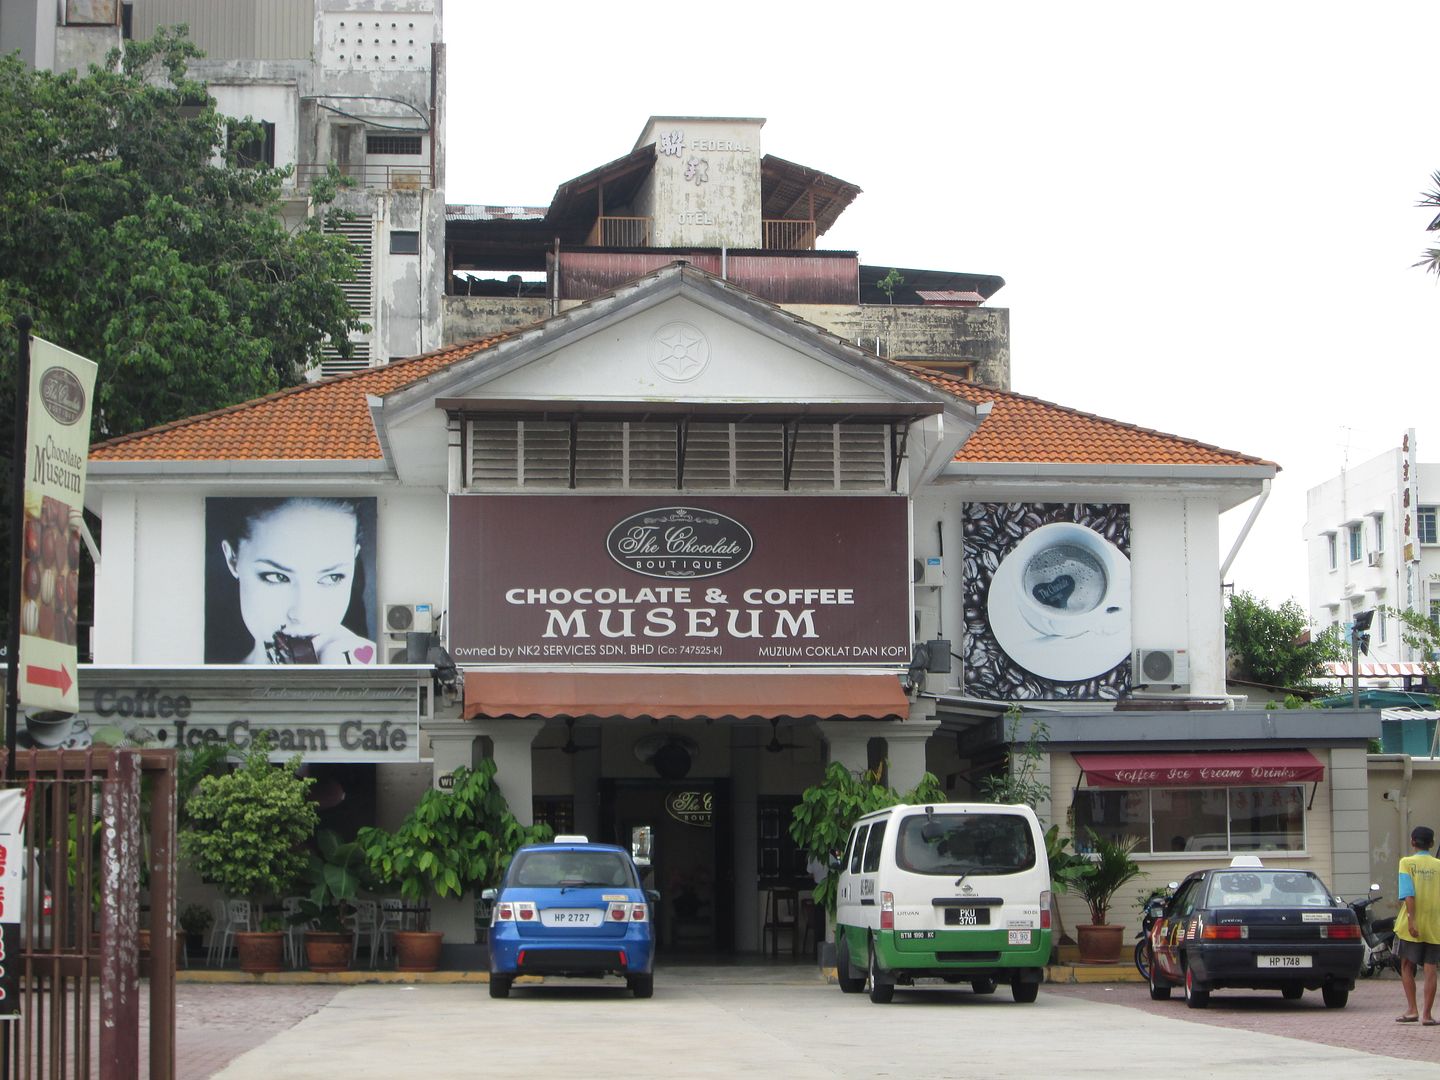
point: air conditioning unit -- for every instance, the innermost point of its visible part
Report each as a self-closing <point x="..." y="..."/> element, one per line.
<point x="1372" y="558"/>
<point x="402" y="619"/>
<point x="929" y="570"/>
<point x="1154" y="667"/>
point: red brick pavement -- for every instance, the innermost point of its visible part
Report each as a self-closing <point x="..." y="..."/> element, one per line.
<point x="216" y="1023"/>
<point x="1367" y="1023"/>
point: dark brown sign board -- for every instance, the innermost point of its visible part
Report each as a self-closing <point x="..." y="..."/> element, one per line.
<point x="684" y="580"/>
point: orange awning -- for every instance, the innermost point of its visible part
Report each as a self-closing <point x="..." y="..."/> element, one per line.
<point x="666" y="695"/>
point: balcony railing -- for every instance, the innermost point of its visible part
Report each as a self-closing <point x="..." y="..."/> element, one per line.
<point x="389" y="177"/>
<point x="620" y="232"/>
<point x="786" y="234"/>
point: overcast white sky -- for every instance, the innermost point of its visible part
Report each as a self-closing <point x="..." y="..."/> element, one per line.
<point x="1204" y="214"/>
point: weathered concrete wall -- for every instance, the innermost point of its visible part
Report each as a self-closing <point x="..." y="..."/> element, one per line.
<point x="468" y="317"/>
<point x="978" y="335"/>
<point x="705" y="188"/>
<point x="906" y="332"/>
<point x="1396" y="806"/>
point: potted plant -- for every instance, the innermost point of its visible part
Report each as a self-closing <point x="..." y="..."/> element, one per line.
<point x="1067" y="868"/>
<point x="245" y="834"/>
<point x="333" y="876"/>
<point x="451" y="842"/>
<point x="195" y="920"/>
<point x="1101" y="941"/>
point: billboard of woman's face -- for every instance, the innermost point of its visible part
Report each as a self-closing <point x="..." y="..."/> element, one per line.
<point x="290" y="581"/>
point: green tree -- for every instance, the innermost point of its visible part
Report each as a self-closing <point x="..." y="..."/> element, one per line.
<point x="1275" y="646"/>
<point x="452" y="840"/>
<point x="827" y="811"/>
<point x="133" y="232"/>
<point x="1422" y="635"/>
<point x="247" y="827"/>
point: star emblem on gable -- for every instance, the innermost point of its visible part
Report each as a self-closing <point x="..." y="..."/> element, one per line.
<point x="681" y="352"/>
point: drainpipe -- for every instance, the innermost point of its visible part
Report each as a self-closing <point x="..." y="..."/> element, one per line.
<point x="1245" y="530"/>
<point x="723" y="275"/>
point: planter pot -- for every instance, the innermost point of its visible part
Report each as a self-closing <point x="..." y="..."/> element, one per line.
<point x="417" y="950"/>
<point x="325" y="951"/>
<point x="1100" y="944"/>
<point x="261" y="951"/>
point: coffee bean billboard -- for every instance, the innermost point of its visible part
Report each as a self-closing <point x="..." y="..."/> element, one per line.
<point x="685" y="580"/>
<point x="1047" y="600"/>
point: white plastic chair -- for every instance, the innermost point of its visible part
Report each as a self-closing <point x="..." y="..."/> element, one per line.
<point x="294" y="932"/>
<point x="237" y="917"/>
<point x="365" y="921"/>
<point x="392" y="918"/>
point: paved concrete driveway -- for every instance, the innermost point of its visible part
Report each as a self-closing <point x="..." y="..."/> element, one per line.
<point x="728" y="1022"/>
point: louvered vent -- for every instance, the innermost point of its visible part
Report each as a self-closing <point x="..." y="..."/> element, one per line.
<point x="814" y="463"/>
<point x="359" y="293"/>
<point x="863" y="458"/>
<point x="611" y="456"/>
<point x="544" y="454"/>
<point x="332" y="363"/>
<point x="759" y="456"/>
<point x="494" y="453"/>
<point x="650" y="455"/>
<point x="708" y="457"/>
<point x="600" y="455"/>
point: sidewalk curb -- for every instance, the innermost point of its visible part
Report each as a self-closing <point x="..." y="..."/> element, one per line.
<point x="342" y="978"/>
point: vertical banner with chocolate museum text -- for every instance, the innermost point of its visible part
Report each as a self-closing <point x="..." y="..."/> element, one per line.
<point x="57" y="444"/>
<point x="12" y="897"/>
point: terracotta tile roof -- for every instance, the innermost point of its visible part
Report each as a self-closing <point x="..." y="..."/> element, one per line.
<point x="1027" y="429"/>
<point x="326" y="420"/>
<point x="329" y="420"/>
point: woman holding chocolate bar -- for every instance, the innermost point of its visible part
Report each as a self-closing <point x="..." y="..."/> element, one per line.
<point x="297" y="566"/>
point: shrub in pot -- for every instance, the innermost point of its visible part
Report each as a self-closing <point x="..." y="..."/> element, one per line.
<point x="244" y="834"/>
<point x="1101" y="941"/>
<point x="332" y="876"/>
<point x="451" y="841"/>
<point x="195" y="920"/>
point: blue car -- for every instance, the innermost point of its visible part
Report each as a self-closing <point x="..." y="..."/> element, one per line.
<point x="571" y="908"/>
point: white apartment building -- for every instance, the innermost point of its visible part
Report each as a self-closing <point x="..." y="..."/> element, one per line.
<point x="1372" y="542"/>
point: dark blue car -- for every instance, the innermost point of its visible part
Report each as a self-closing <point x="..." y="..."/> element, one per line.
<point x="575" y="909"/>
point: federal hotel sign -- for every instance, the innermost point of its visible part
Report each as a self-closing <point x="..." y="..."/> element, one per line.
<point x="730" y="580"/>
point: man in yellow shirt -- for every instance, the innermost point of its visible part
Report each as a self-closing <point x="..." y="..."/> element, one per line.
<point x="1417" y="928"/>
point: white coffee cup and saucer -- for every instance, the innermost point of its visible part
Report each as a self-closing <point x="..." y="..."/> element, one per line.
<point x="1059" y="603"/>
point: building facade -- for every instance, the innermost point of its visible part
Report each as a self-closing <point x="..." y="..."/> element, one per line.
<point x="1372" y="544"/>
<point x="701" y="189"/>
<point x="682" y="549"/>
<point x="358" y="87"/>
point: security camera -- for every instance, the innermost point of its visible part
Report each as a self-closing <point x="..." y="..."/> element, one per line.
<point x="1390" y="795"/>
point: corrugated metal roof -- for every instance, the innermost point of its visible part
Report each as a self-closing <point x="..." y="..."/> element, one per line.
<point x="476" y="212"/>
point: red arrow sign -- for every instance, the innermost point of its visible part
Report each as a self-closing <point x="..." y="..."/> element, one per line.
<point x="40" y="676"/>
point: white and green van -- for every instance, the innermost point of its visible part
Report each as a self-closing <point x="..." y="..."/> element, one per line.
<point x="953" y="891"/>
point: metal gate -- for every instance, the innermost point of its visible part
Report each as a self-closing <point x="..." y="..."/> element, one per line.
<point x="88" y="856"/>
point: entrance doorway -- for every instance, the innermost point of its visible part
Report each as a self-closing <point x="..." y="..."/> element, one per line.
<point x="679" y="832"/>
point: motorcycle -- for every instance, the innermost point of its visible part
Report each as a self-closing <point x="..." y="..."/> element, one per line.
<point x="1378" y="935"/>
<point x="1152" y="909"/>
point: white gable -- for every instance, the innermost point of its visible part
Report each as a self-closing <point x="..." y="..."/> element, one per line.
<point x="680" y="350"/>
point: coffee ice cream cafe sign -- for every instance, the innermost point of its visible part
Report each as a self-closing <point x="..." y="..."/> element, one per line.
<point x="603" y="579"/>
<point x="354" y="720"/>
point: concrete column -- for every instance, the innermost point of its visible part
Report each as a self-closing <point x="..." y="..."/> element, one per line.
<point x="744" y="791"/>
<point x="848" y="740"/>
<point x="512" y="738"/>
<point x="452" y="745"/>
<point x="1349" y="822"/>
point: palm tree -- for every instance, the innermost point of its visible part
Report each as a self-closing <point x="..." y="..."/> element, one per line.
<point x="1431" y="259"/>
